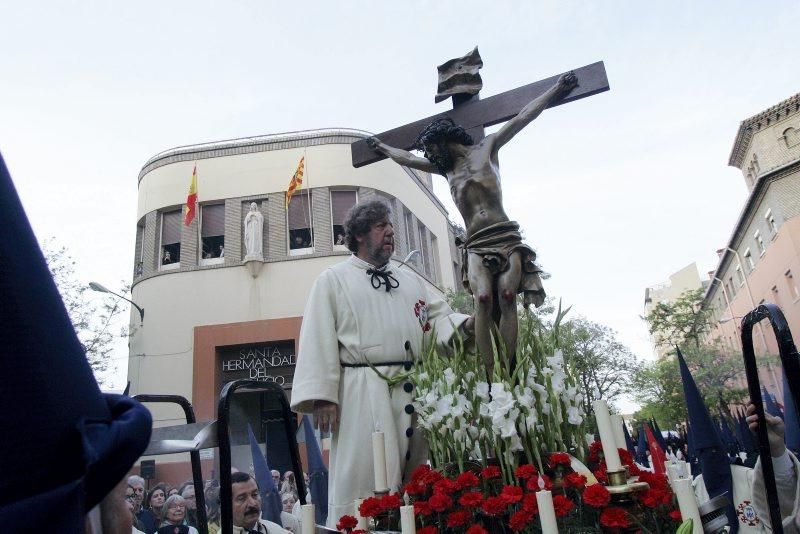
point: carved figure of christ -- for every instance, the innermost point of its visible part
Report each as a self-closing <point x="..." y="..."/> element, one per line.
<point x="471" y="169"/>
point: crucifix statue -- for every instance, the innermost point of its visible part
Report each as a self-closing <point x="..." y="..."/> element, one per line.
<point x="496" y="265"/>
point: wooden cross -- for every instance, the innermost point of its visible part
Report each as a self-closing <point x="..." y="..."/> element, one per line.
<point x="474" y="114"/>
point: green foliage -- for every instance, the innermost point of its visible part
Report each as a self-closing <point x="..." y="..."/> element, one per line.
<point x="460" y="301"/>
<point x="604" y="367"/>
<point x="92" y="322"/>
<point x="680" y="322"/>
<point x="660" y="390"/>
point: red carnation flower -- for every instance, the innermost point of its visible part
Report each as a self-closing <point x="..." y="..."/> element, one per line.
<point x="595" y="450"/>
<point x="614" y="517"/>
<point x="520" y="520"/>
<point x="428" y="530"/>
<point x="476" y="529"/>
<point x="526" y="471"/>
<point x="562" y="505"/>
<point x="391" y="501"/>
<point x="511" y="494"/>
<point x="530" y="504"/>
<point x="633" y="470"/>
<point x="459" y="518"/>
<point x="471" y="499"/>
<point x="575" y="480"/>
<point x="370" y="507"/>
<point x="600" y="475"/>
<point x="559" y="458"/>
<point x="415" y="487"/>
<point x="440" y="502"/>
<point x="422" y="508"/>
<point x="467" y="480"/>
<point x="347" y="522"/>
<point x="655" y="480"/>
<point x="420" y="472"/>
<point x="533" y="483"/>
<point x="494" y="506"/>
<point x="445" y="486"/>
<point x="490" y="472"/>
<point x="596" y="495"/>
<point x="655" y="496"/>
<point x="625" y="457"/>
<point x="675" y="515"/>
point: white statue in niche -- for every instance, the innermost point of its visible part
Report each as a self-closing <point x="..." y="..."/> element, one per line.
<point x="253" y="234"/>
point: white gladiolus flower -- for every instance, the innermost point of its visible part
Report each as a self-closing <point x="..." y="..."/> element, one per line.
<point x="546" y="408"/>
<point x="449" y="376"/>
<point x="574" y="416"/>
<point x="482" y="390"/>
<point x="556" y="360"/>
<point x="558" y="381"/>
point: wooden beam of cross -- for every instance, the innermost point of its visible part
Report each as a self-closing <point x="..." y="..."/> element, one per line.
<point x="475" y="115"/>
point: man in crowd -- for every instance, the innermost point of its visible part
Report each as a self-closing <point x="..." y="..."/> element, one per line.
<point x="362" y="311"/>
<point x="145" y="517"/>
<point x="247" y="507"/>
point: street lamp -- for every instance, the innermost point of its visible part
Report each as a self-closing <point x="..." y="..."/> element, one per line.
<point x="94" y="286"/>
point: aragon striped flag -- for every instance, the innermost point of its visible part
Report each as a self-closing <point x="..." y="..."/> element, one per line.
<point x="190" y="209"/>
<point x="296" y="182"/>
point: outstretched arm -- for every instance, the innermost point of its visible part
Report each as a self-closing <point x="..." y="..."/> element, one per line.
<point x="562" y="87"/>
<point x="402" y="157"/>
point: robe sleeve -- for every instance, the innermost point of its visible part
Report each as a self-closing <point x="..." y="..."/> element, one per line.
<point x="444" y="320"/>
<point x="788" y="486"/>
<point x="318" y="370"/>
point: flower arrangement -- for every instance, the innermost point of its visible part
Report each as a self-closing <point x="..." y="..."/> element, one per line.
<point x="481" y="501"/>
<point x="515" y="414"/>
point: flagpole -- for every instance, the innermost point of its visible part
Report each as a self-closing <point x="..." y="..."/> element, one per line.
<point x="308" y="193"/>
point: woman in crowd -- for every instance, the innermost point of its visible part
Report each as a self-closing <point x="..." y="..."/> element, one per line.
<point x="174" y="513"/>
<point x="287" y="502"/>
<point x="212" y="508"/>
<point x="289" y="484"/>
<point x="156" y="497"/>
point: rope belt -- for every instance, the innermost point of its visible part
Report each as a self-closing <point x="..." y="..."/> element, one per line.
<point x="381" y="364"/>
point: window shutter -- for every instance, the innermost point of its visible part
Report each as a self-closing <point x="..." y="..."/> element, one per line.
<point x="171" y="227"/>
<point x="341" y="202"/>
<point x="299" y="216"/>
<point x="213" y="220"/>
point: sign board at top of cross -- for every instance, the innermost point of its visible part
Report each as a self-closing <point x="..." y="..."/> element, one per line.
<point x="459" y="79"/>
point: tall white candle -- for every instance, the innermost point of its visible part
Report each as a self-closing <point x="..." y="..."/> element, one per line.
<point x="379" y="461"/>
<point x="407" y="525"/>
<point x="606" y="435"/>
<point x="619" y="434"/>
<point x="308" y="523"/>
<point x="687" y="503"/>
<point x="547" y="513"/>
<point x="362" y="521"/>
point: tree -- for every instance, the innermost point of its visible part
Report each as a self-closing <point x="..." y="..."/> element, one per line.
<point x="660" y="390"/>
<point x="604" y="366"/>
<point x="92" y="323"/>
<point x="681" y="321"/>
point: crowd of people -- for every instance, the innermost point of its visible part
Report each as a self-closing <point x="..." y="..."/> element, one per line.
<point x="164" y="505"/>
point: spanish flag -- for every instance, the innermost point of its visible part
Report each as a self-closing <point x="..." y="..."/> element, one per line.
<point x="296" y="182"/>
<point x="190" y="209"/>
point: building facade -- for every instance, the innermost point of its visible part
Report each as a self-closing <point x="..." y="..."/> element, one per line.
<point x="211" y="316"/>
<point x="761" y="261"/>
<point x="686" y="279"/>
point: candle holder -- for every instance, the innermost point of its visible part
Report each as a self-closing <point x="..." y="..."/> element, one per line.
<point x="617" y="478"/>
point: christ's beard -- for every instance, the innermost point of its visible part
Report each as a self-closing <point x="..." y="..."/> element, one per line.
<point x="443" y="162"/>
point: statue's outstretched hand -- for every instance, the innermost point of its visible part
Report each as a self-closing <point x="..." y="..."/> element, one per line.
<point x="374" y="143"/>
<point x="567" y="82"/>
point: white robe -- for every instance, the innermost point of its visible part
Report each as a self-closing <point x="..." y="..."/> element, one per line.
<point x="347" y="320"/>
<point x="750" y="499"/>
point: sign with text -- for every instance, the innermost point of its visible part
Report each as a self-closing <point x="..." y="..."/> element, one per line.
<point x="267" y="362"/>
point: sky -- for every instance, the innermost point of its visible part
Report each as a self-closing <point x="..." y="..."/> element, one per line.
<point x="615" y="192"/>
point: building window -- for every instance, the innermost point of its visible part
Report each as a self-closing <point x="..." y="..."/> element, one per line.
<point x="740" y="275"/>
<point x="792" y="285"/>
<point x="409" y="220"/>
<point x="301" y="227"/>
<point x="770" y="218"/>
<point x="759" y="243"/>
<point x="748" y="258"/>
<point x="341" y="202"/>
<point x="434" y="258"/>
<point x="791" y="136"/>
<point x="212" y="234"/>
<point x="170" y="256"/>
<point x="425" y="258"/>
<point x="731" y="287"/>
<point x="139" y="266"/>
